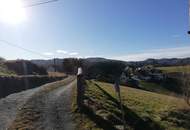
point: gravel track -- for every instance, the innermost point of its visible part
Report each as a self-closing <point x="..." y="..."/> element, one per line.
<point x="38" y="110"/>
<point x="11" y="104"/>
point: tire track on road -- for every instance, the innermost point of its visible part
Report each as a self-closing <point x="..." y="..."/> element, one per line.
<point x="48" y="109"/>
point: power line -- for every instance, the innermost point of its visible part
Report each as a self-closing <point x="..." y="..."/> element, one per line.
<point x="40" y="3"/>
<point x="22" y="48"/>
<point x="30" y="51"/>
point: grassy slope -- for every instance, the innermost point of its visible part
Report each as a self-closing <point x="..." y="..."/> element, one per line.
<point x="143" y="109"/>
<point x="154" y="87"/>
<point x="5" y="72"/>
<point x="175" y="69"/>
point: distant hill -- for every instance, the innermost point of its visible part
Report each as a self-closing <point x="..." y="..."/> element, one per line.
<point x="20" y="67"/>
<point x="59" y="62"/>
<point x="93" y="60"/>
<point x="104" y="69"/>
<point x="163" y="62"/>
<point x="98" y="66"/>
<point x="49" y="64"/>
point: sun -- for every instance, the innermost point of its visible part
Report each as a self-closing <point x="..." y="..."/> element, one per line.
<point x="12" y="11"/>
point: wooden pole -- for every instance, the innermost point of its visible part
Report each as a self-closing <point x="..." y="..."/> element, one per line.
<point x="122" y="111"/>
<point x="80" y="88"/>
<point x="117" y="88"/>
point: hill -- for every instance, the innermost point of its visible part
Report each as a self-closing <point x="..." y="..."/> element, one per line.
<point x="163" y="62"/>
<point x="93" y="61"/>
<point x="20" y="67"/>
<point x="143" y="110"/>
<point x="50" y="65"/>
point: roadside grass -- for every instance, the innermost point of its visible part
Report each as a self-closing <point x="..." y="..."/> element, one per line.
<point x="83" y="122"/>
<point x="30" y="113"/>
<point x="56" y="74"/>
<point x="171" y="69"/>
<point x="143" y="110"/>
<point x="5" y="72"/>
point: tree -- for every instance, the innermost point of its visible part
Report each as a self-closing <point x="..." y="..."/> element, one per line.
<point x="2" y="59"/>
<point x="70" y="65"/>
<point x="107" y="71"/>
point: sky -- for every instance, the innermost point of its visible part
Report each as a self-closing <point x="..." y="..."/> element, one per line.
<point x="130" y="30"/>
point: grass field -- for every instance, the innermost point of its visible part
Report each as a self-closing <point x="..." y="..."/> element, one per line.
<point x="171" y="69"/>
<point x="143" y="110"/>
<point x="154" y="87"/>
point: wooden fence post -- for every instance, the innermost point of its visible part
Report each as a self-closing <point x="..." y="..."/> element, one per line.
<point x="80" y="88"/>
<point x="117" y="89"/>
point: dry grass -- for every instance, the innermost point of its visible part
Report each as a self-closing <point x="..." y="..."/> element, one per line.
<point x="5" y="72"/>
<point x="155" y="110"/>
<point x="171" y="69"/>
<point x="56" y="74"/>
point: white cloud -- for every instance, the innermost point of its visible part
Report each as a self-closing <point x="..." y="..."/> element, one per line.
<point x="73" y="53"/>
<point x="61" y="51"/>
<point x="180" y="52"/>
<point x="48" y="54"/>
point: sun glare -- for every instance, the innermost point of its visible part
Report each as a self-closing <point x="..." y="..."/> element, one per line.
<point x="12" y="11"/>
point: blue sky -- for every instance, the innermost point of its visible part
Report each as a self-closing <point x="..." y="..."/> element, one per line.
<point x="118" y="29"/>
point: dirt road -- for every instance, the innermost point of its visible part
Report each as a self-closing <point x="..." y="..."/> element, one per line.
<point x="44" y="108"/>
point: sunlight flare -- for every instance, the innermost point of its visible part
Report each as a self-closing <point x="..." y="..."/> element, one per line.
<point x="12" y="11"/>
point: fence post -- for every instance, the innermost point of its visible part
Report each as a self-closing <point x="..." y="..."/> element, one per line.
<point x="117" y="89"/>
<point x="80" y="88"/>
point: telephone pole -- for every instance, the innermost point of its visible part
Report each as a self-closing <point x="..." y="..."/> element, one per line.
<point x="189" y="17"/>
